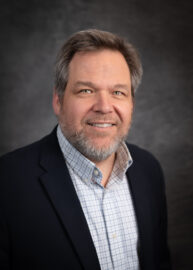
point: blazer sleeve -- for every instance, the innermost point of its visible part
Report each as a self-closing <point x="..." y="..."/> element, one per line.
<point x="4" y="235"/>
<point x="165" y="260"/>
<point x="4" y="244"/>
<point x="152" y="186"/>
<point x="160" y="196"/>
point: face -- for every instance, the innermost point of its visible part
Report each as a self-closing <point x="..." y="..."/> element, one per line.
<point x="96" y="109"/>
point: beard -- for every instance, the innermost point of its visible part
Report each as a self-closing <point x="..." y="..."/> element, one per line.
<point x="88" y="148"/>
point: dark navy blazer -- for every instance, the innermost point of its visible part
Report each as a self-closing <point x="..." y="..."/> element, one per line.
<point x="42" y="225"/>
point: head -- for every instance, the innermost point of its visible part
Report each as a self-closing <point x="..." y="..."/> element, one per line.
<point x="97" y="74"/>
<point x="93" y="40"/>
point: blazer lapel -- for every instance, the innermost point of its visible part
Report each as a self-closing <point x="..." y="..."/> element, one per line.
<point x="57" y="182"/>
<point x="141" y="194"/>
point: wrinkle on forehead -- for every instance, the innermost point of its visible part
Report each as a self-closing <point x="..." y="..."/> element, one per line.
<point x="100" y="67"/>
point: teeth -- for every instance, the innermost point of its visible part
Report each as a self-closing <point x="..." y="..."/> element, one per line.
<point x="102" y="125"/>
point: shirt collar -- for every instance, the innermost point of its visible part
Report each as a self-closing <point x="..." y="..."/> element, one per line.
<point x="85" y="168"/>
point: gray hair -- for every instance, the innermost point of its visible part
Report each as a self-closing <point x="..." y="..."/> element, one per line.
<point x="93" y="40"/>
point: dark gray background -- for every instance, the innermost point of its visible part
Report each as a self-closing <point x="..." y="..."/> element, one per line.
<point x="31" y="34"/>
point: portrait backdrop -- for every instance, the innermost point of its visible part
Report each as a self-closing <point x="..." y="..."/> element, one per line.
<point x="32" y="33"/>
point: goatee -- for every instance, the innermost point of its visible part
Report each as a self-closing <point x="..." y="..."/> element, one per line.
<point x="88" y="148"/>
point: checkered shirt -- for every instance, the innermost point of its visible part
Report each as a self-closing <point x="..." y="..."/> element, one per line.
<point x="108" y="211"/>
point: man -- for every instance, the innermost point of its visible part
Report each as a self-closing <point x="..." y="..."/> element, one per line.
<point x="81" y="198"/>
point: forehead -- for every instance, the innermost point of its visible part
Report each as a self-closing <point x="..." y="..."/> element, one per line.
<point x="103" y="64"/>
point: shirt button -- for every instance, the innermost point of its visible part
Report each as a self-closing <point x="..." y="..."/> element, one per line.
<point x="114" y="235"/>
<point x="96" y="172"/>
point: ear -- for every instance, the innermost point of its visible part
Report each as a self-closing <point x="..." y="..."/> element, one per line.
<point x="56" y="103"/>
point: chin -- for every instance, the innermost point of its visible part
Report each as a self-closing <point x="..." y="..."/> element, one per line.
<point x="96" y="150"/>
<point x="101" y="143"/>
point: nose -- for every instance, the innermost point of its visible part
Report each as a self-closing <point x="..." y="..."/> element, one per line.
<point x="103" y="103"/>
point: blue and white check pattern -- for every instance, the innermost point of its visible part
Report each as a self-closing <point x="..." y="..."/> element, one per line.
<point x="108" y="211"/>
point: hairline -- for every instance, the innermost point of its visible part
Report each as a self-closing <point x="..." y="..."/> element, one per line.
<point x="87" y="50"/>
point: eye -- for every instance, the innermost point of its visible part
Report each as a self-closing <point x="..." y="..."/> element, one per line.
<point x="86" y="91"/>
<point x="118" y="93"/>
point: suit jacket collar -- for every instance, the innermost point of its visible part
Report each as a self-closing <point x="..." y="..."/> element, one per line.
<point x="60" y="190"/>
<point x="141" y="194"/>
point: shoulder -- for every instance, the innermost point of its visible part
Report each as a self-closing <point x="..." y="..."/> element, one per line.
<point x="23" y="152"/>
<point x="145" y="163"/>
<point x="147" y="172"/>
<point x="29" y="154"/>
<point x="142" y="156"/>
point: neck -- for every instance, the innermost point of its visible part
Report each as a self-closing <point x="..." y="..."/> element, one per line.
<point x="106" y="167"/>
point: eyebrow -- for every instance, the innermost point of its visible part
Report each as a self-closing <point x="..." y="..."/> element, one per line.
<point x="92" y="85"/>
<point x="85" y="83"/>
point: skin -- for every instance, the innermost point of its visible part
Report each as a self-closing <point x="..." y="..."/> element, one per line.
<point x="97" y="102"/>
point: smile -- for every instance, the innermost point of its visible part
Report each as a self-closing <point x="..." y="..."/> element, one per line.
<point x="101" y="125"/>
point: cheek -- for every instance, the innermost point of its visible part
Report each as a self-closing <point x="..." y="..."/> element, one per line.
<point x="73" y="113"/>
<point x="125" y="113"/>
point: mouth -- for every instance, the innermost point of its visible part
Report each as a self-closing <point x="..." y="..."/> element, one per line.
<point x="101" y="125"/>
